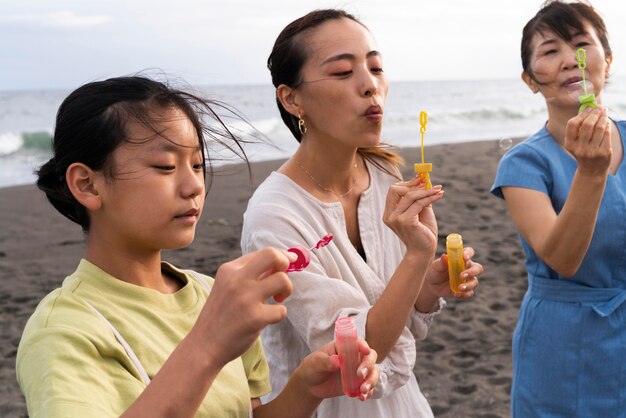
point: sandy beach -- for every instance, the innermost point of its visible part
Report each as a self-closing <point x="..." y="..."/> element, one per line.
<point x="463" y="367"/>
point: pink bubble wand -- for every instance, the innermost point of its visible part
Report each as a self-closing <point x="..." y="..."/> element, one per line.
<point x="304" y="254"/>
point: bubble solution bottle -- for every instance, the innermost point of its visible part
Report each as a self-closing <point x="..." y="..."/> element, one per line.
<point x="456" y="264"/>
<point x="349" y="357"/>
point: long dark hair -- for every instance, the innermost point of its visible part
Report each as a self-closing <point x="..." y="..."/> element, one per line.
<point x="91" y="124"/>
<point x="285" y="63"/>
<point x="565" y="20"/>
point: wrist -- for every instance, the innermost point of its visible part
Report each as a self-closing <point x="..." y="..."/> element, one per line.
<point x="426" y="301"/>
<point x="418" y="258"/>
<point x="201" y="354"/>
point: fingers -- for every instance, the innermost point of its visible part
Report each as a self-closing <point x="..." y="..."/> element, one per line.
<point x="440" y="265"/>
<point x="468" y="253"/>
<point x="264" y="260"/>
<point x="367" y="369"/>
<point x="422" y="197"/>
<point x="470" y="278"/>
<point x="599" y="129"/>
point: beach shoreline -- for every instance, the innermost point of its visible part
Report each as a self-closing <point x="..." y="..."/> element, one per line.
<point x="463" y="367"/>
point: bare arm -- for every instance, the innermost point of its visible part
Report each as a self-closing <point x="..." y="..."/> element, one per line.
<point x="231" y="320"/>
<point x="561" y="240"/>
<point x="408" y="212"/>
<point x="315" y="379"/>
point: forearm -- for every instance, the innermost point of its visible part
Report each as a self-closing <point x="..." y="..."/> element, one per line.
<point x="294" y="401"/>
<point x="389" y="315"/>
<point x="426" y="301"/>
<point x="193" y="372"/>
<point x="568" y="238"/>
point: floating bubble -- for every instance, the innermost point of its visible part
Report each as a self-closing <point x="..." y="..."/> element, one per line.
<point x="580" y="90"/>
<point x="505" y="143"/>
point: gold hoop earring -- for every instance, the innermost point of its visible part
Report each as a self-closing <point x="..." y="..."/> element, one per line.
<point x="301" y="125"/>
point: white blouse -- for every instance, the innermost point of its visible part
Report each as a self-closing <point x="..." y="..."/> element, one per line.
<point x="338" y="282"/>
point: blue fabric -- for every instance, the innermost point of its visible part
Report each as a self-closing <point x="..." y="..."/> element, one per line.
<point x="569" y="346"/>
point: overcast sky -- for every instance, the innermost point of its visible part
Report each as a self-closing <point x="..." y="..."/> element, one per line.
<point x="65" y="43"/>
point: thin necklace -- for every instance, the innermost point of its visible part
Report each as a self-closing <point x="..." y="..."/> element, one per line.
<point x="326" y="188"/>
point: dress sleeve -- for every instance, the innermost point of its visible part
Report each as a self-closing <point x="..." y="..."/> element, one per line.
<point x="420" y="322"/>
<point x="63" y="374"/>
<point x="319" y="299"/>
<point x="522" y="167"/>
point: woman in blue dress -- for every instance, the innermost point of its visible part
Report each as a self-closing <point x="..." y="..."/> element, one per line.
<point x="565" y="190"/>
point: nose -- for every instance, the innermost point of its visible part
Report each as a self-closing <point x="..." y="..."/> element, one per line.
<point x="370" y="85"/>
<point x="192" y="183"/>
<point x="569" y="59"/>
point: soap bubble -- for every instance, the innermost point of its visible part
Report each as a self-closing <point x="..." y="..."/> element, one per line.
<point x="505" y="143"/>
<point x="579" y="89"/>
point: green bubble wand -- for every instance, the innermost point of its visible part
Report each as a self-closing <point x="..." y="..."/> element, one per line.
<point x="587" y="99"/>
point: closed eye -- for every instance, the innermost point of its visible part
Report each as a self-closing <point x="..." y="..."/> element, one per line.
<point x="165" y="167"/>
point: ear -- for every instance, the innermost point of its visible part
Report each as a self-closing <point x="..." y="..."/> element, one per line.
<point x="609" y="61"/>
<point x="532" y="85"/>
<point x="83" y="183"/>
<point x="290" y="99"/>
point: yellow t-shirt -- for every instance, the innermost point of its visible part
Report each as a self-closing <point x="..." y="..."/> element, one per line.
<point x="69" y="363"/>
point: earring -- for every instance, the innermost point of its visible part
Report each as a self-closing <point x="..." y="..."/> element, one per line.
<point x="301" y="125"/>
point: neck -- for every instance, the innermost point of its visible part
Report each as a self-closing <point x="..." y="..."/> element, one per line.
<point x="332" y="168"/>
<point x="139" y="269"/>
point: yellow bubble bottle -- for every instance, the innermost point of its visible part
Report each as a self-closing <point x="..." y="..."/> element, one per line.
<point x="456" y="264"/>
<point x="422" y="169"/>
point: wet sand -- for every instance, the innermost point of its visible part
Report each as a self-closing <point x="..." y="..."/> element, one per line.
<point x="463" y="367"/>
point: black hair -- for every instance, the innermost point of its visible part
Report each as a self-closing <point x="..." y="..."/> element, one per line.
<point x="565" y="20"/>
<point x="285" y="63"/>
<point x="91" y="124"/>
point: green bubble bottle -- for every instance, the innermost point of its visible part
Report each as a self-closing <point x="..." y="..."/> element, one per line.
<point x="456" y="264"/>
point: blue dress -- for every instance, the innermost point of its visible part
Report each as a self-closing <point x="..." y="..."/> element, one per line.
<point x="569" y="346"/>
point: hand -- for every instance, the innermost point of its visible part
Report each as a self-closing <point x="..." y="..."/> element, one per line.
<point x="588" y="139"/>
<point x="236" y="310"/>
<point x="438" y="282"/>
<point x="409" y="213"/>
<point x="319" y="371"/>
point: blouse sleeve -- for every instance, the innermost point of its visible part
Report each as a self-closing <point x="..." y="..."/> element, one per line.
<point x="522" y="167"/>
<point x="318" y="300"/>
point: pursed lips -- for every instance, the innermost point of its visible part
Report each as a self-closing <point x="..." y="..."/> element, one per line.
<point x="191" y="213"/>
<point x="374" y="113"/>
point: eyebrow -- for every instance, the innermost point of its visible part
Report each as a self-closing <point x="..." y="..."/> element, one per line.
<point x="350" y="57"/>
<point x="553" y="40"/>
<point x="171" y="147"/>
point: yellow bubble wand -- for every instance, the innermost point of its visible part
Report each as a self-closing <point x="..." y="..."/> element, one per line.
<point x="587" y="99"/>
<point x="422" y="169"/>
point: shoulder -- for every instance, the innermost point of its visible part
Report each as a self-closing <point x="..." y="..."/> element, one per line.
<point x="527" y="164"/>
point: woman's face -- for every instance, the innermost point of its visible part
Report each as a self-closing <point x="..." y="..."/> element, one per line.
<point x="344" y="89"/>
<point x="157" y="193"/>
<point x="555" y="68"/>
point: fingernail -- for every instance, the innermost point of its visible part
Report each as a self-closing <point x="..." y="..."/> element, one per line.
<point x="464" y="276"/>
<point x="367" y="387"/>
<point x="292" y="256"/>
<point x="363" y="372"/>
<point x="463" y="287"/>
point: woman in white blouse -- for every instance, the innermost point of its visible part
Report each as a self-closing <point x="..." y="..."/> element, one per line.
<point x="380" y="267"/>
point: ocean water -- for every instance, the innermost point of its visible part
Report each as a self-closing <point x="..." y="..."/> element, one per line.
<point x="458" y="111"/>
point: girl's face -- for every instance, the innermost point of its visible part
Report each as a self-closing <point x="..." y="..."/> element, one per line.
<point x="157" y="193"/>
<point x="555" y="69"/>
<point x="344" y="88"/>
